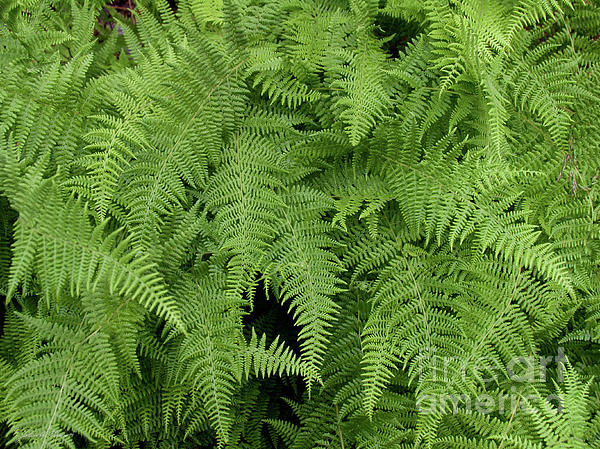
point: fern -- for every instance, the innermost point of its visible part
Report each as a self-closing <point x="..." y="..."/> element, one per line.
<point x="299" y="224"/>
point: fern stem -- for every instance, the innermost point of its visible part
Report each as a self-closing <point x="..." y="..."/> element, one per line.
<point x="339" y="429"/>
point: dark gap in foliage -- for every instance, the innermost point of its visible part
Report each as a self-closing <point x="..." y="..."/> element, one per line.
<point x="396" y="32"/>
<point x="106" y="23"/>
<point x="270" y="317"/>
<point x="123" y="7"/>
<point x="300" y="126"/>
<point x="116" y="433"/>
<point x="276" y="390"/>
<point x="7" y="223"/>
<point x="3" y="434"/>
<point x="79" y="440"/>
<point x="173" y="5"/>
<point x="2" y="313"/>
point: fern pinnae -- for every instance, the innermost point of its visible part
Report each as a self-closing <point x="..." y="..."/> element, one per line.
<point x="264" y="224"/>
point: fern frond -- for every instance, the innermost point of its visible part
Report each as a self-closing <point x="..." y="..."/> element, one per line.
<point x="308" y="269"/>
<point x="70" y="396"/>
<point x="80" y="258"/>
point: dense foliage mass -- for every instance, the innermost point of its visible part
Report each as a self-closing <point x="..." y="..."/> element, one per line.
<point x="300" y="224"/>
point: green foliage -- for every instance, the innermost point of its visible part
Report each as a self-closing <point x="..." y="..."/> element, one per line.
<point x="300" y="224"/>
